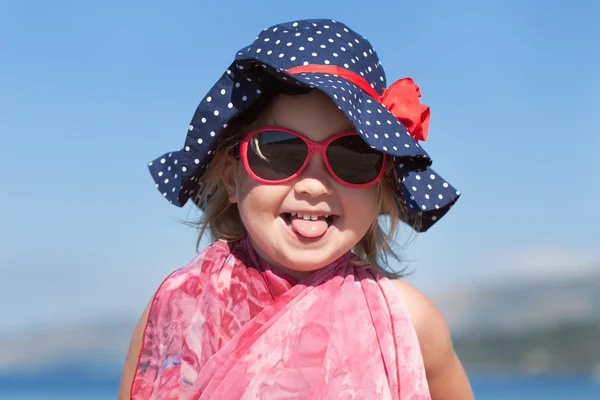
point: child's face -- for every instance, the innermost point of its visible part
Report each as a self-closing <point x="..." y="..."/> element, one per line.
<point x="265" y="208"/>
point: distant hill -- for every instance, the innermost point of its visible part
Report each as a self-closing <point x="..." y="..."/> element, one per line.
<point x="534" y="326"/>
<point x="522" y="306"/>
<point x="573" y="347"/>
<point x="531" y="326"/>
<point x="99" y="344"/>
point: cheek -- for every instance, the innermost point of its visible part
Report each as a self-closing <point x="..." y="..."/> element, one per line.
<point x="256" y="200"/>
<point x="363" y="204"/>
<point x="246" y="188"/>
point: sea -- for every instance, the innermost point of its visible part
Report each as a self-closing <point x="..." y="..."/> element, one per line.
<point x="75" y="385"/>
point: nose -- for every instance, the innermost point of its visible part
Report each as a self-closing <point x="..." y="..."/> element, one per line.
<point x="315" y="180"/>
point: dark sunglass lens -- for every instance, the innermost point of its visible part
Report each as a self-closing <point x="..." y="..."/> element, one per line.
<point x="275" y="155"/>
<point x="353" y="160"/>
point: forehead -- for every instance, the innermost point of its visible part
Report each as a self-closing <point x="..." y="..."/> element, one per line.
<point x="313" y="114"/>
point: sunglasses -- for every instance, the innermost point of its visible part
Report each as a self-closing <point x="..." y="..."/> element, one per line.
<point x="274" y="155"/>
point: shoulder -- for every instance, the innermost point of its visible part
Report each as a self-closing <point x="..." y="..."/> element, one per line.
<point x="429" y="323"/>
<point x="445" y="374"/>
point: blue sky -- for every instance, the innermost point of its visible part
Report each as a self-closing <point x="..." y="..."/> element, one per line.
<point x="91" y="91"/>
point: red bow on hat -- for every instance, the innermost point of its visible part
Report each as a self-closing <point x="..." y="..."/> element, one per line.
<point x="401" y="98"/>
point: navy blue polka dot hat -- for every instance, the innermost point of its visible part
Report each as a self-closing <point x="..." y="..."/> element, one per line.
<point x="328" y="56"/>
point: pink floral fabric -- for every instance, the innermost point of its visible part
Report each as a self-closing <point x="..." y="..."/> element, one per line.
<point x="227" y="326"/>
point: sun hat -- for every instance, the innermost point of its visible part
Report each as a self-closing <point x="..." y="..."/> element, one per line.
<point x="325" y="55"/>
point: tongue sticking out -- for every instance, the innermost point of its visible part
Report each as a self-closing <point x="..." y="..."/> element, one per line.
<point x="309" y="229"/>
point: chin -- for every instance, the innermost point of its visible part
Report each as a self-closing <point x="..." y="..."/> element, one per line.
<point x="308" y="260"/>
<point x="303" y="266"/>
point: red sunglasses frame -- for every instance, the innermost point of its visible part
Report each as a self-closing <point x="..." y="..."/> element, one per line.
<point x="313" y="147"/>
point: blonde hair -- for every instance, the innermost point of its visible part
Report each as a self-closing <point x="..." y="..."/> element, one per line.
<point x="222" y="219"/>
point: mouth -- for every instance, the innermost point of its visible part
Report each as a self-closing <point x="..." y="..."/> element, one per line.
<point x="328" y="218"/>
<point x="307" y="226"/>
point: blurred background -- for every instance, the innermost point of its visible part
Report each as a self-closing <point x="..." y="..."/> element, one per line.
<point x="92" y="91"/>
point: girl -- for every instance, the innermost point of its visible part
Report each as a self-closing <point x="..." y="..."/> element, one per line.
<point x="293" y="155"/>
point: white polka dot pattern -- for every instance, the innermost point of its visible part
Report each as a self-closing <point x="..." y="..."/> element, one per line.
<point x="426" y="194"/>
<point x="278" y="49"/>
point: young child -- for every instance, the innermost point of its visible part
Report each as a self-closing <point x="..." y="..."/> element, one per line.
<point x="292" y="156"/>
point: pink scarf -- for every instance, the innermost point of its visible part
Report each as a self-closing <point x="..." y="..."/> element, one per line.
<point x="227" y="326"/>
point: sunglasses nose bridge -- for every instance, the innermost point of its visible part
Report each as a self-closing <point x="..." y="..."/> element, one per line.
<point x="317" y="148"/>
<point x="312" y="147"/>
<point x="317" y="164"/>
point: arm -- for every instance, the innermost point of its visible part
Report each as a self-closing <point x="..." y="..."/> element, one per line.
<point x="131" y="360"/>
<point x="445" y="374"/>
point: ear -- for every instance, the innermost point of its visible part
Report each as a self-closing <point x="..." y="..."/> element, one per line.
<point x="229" y="176"/>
